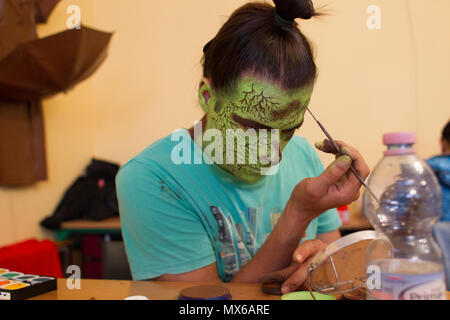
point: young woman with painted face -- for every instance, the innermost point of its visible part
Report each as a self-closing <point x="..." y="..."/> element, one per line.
<point x="225" y="219"/>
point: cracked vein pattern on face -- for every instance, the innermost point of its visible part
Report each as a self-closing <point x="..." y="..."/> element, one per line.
<point x="265" y="104"/>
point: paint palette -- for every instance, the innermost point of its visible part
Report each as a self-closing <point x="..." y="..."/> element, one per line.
<point x="18" y="286"/>
<point x="205" y="293"/>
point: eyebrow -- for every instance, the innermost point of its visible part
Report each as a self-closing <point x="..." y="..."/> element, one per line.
<point x="256" y="125"/>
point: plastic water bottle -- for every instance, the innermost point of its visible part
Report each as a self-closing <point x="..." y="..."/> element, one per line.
<point x="404" y="257"/>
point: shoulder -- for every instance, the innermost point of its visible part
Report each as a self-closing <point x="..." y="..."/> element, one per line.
<point x="439" y="163"/>
<point x="161" y="150"/>
<point x="146" y="166"/>
<point x="155" y="158"/>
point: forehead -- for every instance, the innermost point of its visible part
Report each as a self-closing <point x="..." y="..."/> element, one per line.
<point x="263" y="97"/>
<point x="257" y="87"/>
<point x="247" y="82"/>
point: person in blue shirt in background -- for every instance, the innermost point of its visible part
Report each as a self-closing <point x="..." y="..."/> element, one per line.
<point x="441" y="167"/>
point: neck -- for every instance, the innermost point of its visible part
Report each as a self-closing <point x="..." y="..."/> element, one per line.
<point x="191" y="129"/>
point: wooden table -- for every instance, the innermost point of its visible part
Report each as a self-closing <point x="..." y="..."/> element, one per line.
<point x="154" y="290"/>
<point x="357" y="224"/>
<point x="104" y="231"/>
<point x="357" y="220"/>
<point x="113" y="225"/>
<point x="110" y="223"/>
<point x="107" y="226"/>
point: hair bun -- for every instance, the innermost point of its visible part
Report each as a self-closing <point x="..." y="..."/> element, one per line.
<point x="293" y="9"/>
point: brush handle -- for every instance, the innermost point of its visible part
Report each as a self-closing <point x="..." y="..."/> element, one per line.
<point x="339" y="152"/>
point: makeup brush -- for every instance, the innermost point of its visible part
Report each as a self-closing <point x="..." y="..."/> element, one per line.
<point x="338" y="151"/>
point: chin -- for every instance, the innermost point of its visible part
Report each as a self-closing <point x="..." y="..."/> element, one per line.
<point x="248" y="175"/>
<point x="244" y="174"/>
<point x="252" y="179"/>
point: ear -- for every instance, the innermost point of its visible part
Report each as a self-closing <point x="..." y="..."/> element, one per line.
<point x="205" y="93"/>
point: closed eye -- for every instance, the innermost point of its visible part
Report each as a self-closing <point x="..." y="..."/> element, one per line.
<point x="249" y="124"/>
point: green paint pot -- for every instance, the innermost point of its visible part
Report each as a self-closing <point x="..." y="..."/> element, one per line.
<point x="305" y="295"/>
<point x="11" y="275"/>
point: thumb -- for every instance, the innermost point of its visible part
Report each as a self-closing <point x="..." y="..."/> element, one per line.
<point x="297" y="279"/>
<point x="332" y="173"/>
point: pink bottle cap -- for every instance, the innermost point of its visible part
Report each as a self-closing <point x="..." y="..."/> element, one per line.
<point x="399" y="138"/>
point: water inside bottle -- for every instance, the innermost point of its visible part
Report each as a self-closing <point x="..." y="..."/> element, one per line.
<point x="408" y="279"/>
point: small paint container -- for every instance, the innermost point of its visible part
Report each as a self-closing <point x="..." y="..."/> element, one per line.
<point x="41" y="280"/>
<point x="3" y="271"/>
<point x="4" y="282"/>
<point x="10" y="275"/>
<point x="15" y="286"/>
<point x="20" y="286"/>
<point x="26" y="277"/>
<point x="205" y="293"/>
<point x="305" y="295"/>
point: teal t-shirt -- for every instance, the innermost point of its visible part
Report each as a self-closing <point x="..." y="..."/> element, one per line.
<point x="181" y="217"/>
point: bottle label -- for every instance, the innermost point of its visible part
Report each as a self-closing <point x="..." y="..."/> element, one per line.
<point x="396" y="286"/>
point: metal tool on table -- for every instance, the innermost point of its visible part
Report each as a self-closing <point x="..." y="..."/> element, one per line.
<point x="341" y="267"/>
<point x="338" y="151"/>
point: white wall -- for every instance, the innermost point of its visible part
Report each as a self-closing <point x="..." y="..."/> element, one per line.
<point x="370" y="82"/>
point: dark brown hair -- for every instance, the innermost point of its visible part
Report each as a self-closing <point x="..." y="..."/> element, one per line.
<point x="253" y="41"/>
<point x="446" y="132"/>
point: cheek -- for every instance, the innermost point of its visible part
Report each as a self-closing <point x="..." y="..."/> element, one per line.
<point x="219" y="121"/>
<point x="218" y="106"/>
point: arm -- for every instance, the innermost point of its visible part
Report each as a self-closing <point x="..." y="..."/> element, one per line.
<point x="287" y="234"/>
<point x="160" y="232"/>
<point x="276" y="252"/>
<point x="205" y="274"/>
<point x="209" y="273"/>
<point x="335" y="187"/>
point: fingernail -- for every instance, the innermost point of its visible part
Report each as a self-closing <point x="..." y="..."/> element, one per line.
<point x="344" y="162"/>
<point x="319" y="145"/>
<point x="285" y="289"/>
<point x="299" y="257"/>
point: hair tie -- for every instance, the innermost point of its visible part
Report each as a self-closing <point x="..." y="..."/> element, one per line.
<point x="280" y="20"/>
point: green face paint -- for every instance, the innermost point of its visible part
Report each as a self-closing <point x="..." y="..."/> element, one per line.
<point x="254" y="104"/>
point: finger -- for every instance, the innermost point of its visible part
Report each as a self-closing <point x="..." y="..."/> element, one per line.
<point x="344" y="148"/>
<point x="307" y="249"/>
<point x="297" y="278"/>
<point x="326" y="146"/>
<point x="280" y="275"/>
<point x="350" y="184"/>
<point x="330" y="176"/>
<point x="358" y="161"/>
<point x="356" y="196"/>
